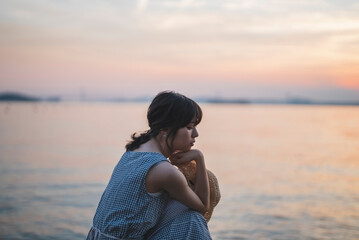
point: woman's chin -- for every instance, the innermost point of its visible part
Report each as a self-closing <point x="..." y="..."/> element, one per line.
<point x="185" y="149"/>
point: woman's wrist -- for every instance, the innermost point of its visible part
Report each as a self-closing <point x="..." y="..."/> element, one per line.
<point x="198" y="156"/>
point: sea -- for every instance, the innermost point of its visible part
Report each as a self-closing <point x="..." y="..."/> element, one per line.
<point x="285" y="171"/>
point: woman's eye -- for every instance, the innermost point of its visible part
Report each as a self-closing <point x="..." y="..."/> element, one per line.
<point x="189" y="128"/>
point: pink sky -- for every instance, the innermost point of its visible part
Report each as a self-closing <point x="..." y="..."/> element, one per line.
<point x="226" y="48"/>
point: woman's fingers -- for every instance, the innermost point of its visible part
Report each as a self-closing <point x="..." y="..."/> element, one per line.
<point x="182" y="157"/>
<point x="175" y="156"/>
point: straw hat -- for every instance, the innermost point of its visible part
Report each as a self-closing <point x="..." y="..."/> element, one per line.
<point x="189" y="171"/>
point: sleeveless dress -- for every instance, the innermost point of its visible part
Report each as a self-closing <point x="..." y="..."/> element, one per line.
<point x="126" y="210"/>
<point x="179" y="222"/>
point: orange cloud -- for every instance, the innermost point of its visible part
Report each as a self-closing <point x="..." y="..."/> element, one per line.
<point x="346" y="75"/>
<point x="349" y="82"/>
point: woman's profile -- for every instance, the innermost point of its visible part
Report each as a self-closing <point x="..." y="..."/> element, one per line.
<point x="147" y="196"/>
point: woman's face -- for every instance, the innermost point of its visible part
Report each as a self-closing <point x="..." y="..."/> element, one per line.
<point x="185" y="138"/>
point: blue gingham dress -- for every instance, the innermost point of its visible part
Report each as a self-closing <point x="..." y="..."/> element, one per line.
<point x="180" y="223"/>
<point x="126" y="210"/>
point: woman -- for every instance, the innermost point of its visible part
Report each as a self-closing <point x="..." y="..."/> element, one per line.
<point x="144" y="179"/>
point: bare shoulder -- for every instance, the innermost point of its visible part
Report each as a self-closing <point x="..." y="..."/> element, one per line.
<point x="162" y="176"/>
<point x="165" y="170"/>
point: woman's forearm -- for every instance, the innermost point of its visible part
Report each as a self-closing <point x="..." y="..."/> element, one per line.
<point x="202" y="185"/>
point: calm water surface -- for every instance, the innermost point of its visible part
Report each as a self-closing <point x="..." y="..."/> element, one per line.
<point x="285" y="172"/>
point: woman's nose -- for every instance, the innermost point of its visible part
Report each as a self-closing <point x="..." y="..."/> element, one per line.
<point x="195" y="133"/>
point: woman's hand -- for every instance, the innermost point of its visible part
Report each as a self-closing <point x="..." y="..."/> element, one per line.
<point x="184" y="157"/>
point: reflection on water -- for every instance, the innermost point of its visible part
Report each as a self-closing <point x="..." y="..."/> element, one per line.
<point x="286" y="172"/>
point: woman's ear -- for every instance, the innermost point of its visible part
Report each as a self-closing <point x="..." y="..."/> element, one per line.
<point x="163" y="134"/>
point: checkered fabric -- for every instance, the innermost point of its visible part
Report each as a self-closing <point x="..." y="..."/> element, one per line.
<point x="126" y="210"/>
<point x="179" y="222"/>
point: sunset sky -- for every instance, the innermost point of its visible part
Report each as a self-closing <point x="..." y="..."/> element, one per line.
<point x="221" y="48"/>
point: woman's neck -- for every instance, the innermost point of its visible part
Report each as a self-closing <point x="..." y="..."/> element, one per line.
<point x="153" y="145"/>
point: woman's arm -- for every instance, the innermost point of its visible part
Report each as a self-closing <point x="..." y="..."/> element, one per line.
<point x="166" y="177"/>
<point x="202" y="184"/>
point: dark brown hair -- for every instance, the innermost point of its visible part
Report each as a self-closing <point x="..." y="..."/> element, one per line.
<point x="168" y="111"/>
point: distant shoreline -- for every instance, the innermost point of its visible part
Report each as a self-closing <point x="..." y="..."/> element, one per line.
<point x="19" y="97"/>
